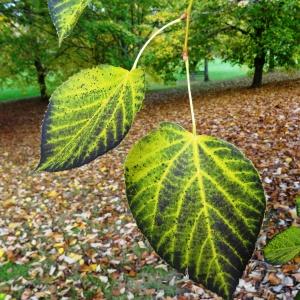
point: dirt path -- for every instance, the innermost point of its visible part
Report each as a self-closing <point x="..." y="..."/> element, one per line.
<point x="73" y="232"/>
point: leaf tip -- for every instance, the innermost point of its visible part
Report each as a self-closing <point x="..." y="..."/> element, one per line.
<point x="38" y="169"/>
<point x="60" y="40"/>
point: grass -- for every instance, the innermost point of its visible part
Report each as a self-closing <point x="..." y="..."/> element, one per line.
<point x="12" y="94"/>
<point x="10" y="271"/>
<point x="218" y="71"/>
<point x="147" y="278"/>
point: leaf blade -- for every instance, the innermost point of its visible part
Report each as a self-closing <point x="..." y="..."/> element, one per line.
<point x="175" y="199"/>
<point x="65" y="14"/>
<point x="284" y="246"/>
<point x="89" y="115"/>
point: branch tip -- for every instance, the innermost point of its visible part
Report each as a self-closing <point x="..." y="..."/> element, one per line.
<point x="185" y="55"/>
<point x="184" y="16"/>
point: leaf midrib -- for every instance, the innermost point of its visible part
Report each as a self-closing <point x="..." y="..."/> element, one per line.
<point x="207" y="216"/>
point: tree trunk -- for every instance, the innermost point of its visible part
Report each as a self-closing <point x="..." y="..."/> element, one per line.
<point x="193" y="69"/>
<point x="206" y="75"/>
<point x="271" y="61"/>
<point x="41" y="76"/>
<point x="260" y="58"/>
<point x="259" y="63"/>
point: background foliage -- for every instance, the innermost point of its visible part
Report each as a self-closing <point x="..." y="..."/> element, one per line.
<point x="263" y="35"/>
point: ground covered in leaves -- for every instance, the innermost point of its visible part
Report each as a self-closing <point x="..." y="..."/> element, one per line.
<point x="70" y="235"/>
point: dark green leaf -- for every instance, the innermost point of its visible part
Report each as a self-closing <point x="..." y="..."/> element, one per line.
<point x="283" y="247"/>
<point x="199" y="202"/>
<point x="89" y="115"/>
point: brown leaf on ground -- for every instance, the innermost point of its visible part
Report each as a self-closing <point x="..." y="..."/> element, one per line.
<point x="75" y="232"/>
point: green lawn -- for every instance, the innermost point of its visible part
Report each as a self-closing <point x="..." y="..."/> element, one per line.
<point x="12" y="272"/>
<point x="218" y="70"/>
<point x="11" y="94"/>
<point x="149" y="276"/>
<point x="9" y="271"/>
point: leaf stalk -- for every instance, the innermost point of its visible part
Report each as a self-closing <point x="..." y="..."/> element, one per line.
<point x="187" y="63"/>
<point x="153" y="36"/>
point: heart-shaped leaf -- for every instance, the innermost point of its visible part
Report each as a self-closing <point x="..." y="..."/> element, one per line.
<point x="283" y="247"/>
<point x="89" y="115"/>
<point x="65" y="14"/>
<point x="199" y="202"/>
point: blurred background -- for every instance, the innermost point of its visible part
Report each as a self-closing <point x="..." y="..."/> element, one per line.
<point x="229" y="39"/>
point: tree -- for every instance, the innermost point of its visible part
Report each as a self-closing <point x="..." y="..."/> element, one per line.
<point x="119" y="28"/>
<point x="257" y="33"/>
<point x="261" y="34"/>
<point x="164" y="56"/>
<point x="266" y="32"/>
<point x="108" y="33"/>
<point x="29" y="46"/>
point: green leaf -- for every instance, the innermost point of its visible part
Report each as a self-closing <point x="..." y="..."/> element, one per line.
<point x="284" y="246"/>
<point x="298" y="206"/>
<point x="89" y="115"/>
<point x="297" y="296"/>
<point x="65" y="14"/>
<point x="199" y="202"/>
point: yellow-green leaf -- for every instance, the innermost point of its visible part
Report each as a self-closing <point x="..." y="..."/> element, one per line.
<point x="199" y="202"/>
<point x="65" y="14"/>
<point x="3" y="296"/>
<point x="89" y="115"/>
<point x="284" y="246"/>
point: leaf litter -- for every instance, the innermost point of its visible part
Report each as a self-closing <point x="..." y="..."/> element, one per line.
<point x="73" y="231"/>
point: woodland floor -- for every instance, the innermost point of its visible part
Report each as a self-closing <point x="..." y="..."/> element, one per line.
<point x="70" y="235"/>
